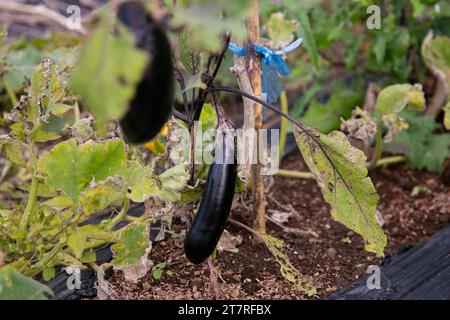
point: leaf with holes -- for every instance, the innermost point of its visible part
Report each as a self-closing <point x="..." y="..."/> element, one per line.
<point x="132" y="243"/>
<point x="341" y="173"/>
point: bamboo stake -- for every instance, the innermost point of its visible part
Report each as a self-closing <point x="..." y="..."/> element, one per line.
<point x="254" y="73"/>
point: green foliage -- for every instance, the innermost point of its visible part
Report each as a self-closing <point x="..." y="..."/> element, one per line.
<point x="326" y="116"/>
<point x="280" y="30"/>
<point x="132" y="244"/>
<point x="158" y="270"/>
<point x="15" y="286"/>
<point x="340" y="170"/>
<point x="394" y="98"/>
<point x="423" y="148"/>
<point x="206" y="22"/>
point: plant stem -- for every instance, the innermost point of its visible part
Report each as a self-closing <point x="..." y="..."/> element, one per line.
<point x="283" y="123"/>
<point x="76" y="112"/>
<point x="45" y="260"/>
<point x="378" y="147"/>
<point x="32" y="195"/>
<point x="121" y="216"/>
<point x="295" y="174"/>
<point x="390" y="160"/>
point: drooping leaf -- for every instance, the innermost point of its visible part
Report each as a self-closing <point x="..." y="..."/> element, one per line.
<point x="107" y="72"/>
<point x="394" y="98"/>
<point x="341" y="173"/>
<point x="15" y="286"/>
<point x="300" y="282"/>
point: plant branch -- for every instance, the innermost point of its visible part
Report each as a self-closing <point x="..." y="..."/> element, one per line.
<point x="121" y="216"/>
<point x="32" y="195"/>
<point x="283" y="123"/>
<point x="378" y="147"/>
<point x="295" y="174"/>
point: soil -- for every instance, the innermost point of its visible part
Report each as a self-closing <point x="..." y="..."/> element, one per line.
<point x="316" y="245"/>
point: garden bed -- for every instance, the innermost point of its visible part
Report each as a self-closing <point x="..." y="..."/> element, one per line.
<point x="319" y="247"/>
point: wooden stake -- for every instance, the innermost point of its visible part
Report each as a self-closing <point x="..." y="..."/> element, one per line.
<point x="254" y="74"/>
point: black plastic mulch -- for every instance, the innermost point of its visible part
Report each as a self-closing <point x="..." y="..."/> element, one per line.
<point x="419" y="272"/>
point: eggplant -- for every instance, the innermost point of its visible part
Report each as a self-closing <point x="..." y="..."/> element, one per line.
<point x="215" y="206"/>
<point x="151" y="106"/>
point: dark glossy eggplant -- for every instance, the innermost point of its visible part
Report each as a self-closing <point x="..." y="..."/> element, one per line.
<point x="151" y="106"/>
<point x="215" y="206"/>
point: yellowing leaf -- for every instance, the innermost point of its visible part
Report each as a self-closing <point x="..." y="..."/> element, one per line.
<point x="69" y="167"/>
<point x="131" y="246"/>
<point x="99" y="196"/>
<point x="341" y="173"/>
<point x="394" y="98"/>
<point x="447" y="115"/>
<point x="86" y="237"/>
<point x="143" y="189"/>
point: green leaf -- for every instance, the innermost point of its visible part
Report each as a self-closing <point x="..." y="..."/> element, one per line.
<point x="207" y="24"/>
<point x="58" y="109"/>
<point x="280" y="30"/>
<point x="189" y="55"/>
<point x="340" y="170"/>
<point x="15" y="286"/>
<point x="107" y="72"/>
<point x="13" y="151"/>
<point x="307" y="35"/>
<point x="48" y="273"/>
<point x="158" y="271"/>
<point x="86" y="237"/>
<point x="131" y="246"/>
<point x="423" y="148"/>
<point x="436" y="54"/>
<point x="99" y="196"/>
<point x="59" y="202"/>
<point x="69" y="167"/>
<point x="172" y="181"/>
<point x="144" y="189"/>
<point x="44" y="136"/>
<point x="394" y="98"/>
<point x="326" y="117"/>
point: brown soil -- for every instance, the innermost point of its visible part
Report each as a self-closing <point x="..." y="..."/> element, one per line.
<point x="321" y="247"/>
